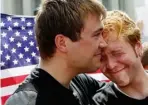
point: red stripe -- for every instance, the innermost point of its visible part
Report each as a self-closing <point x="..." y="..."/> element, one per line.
<point x="106" y="80"/>
<point x="12" y="80"/>
<point x="4" y="98"/>
<point x="98" y="71"/>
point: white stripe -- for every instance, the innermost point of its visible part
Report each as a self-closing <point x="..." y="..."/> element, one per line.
<point x="10" y="89"/>
<point x="16" y="71"/>
<point x="98" y="76"/>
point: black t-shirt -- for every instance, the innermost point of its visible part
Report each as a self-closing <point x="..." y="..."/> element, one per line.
<point x="40" y="88"/>
<point x="110" y="95"/>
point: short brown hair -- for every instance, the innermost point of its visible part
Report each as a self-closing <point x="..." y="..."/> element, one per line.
<point x="64" y="17"/>
<point x="123" y="24"/>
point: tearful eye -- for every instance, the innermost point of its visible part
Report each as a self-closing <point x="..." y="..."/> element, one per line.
<point x="96" y="35"/>
<point x="103" y="58"/>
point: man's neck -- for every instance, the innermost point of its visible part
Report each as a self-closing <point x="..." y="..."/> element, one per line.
<point x="59" y="70"/>
<point x="138" y="89"/>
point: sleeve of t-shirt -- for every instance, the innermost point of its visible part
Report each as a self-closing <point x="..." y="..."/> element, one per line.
<point x="22" y="98"/>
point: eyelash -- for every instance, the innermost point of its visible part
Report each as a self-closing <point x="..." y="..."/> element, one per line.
<point x="98" y="34"/>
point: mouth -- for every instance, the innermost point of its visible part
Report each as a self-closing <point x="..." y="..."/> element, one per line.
<point x="115" y="72"/>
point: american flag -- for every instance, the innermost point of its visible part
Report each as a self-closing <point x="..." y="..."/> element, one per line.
<point x="19" y="53"/>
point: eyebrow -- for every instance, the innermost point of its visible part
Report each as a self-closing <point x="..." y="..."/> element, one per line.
<point x="98" y="30"/>
<point x="116" y="50"/>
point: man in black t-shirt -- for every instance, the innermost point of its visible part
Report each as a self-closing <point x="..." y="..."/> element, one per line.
<point x="70" y="41"/>
<point x="121" y="63"/>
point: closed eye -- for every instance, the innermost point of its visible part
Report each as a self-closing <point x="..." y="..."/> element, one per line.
<point x="117" y="54"/>
<point x="98" y="32"/>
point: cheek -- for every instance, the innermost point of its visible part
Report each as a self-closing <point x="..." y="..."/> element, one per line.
<point x="89" y="47"/>
<point x="126" y="59"/>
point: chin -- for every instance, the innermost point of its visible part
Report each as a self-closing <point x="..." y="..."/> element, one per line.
<point x="122" y="83"/>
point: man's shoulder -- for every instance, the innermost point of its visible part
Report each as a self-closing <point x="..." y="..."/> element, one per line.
<point x="25" y="94"/>
<point x="22" y="98"/>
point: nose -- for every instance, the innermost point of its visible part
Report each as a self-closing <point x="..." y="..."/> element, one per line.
<point x="111" y="64"/>
<point x="102" y="43"/>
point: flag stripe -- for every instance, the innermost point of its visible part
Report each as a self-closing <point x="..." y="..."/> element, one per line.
<point x="98" y="71"/>
<point x="12" y="80"/>
<point x="98" y="76"/>
<point x="4" y="98"/>
<point x="8" y="90"/>
<point x="16" y="71"/>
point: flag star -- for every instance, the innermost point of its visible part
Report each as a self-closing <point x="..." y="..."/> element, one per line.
<point x="29" y="24"/>
<point x="30" y="32"/>
<point x="19" y="44"/>
<point x="31" y="43"/>
<point x="15" y="62"/>
<point x="7" y="57"/>
<point x="9" y="28"/>
<point x="2" y="63"/>
<point x="21" y="55"/>
<point x="17" y="33"/>
<point x="13" y="50"/>
<point x="33" y="54"/>
<point x="23" y="19"/>
<point x="24" y="38"/>
<point x="4" y="34"/>
<point x="16" y="24"/>
<point x="23" y="28"/>
<point x="37" y="48"/>
<point x="28" y="60"/>
<point x="1" y="52"/>
<point x="2" y="24"/>
<point x="6" y="46"/>
<point x="9" y="18"/>
<point x="11" y="39"/>
<point x="26" y="49"/>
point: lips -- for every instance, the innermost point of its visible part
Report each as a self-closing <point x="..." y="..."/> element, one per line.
<point x="114" y="72"/>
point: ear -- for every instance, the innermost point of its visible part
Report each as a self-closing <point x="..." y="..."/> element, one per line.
<point x="138" y="49"/>
<point x="60" y="41"/>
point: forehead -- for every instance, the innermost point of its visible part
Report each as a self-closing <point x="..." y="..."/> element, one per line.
<point x="114" y="42"/>
<point x="92" y="23"/>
